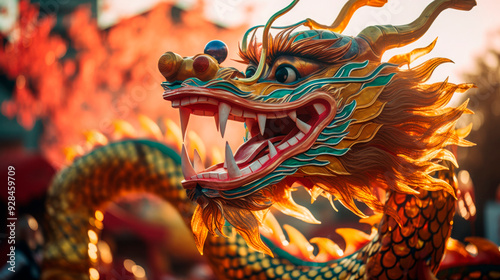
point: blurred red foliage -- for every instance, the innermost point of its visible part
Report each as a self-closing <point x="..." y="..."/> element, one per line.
<point x="113" y="74"/>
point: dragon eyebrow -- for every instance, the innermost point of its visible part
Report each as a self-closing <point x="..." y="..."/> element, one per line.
<point x="288" y="43"/>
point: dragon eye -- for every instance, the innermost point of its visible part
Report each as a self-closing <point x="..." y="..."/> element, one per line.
<point x="286" y="74"/>
<point x="250" y="71"/>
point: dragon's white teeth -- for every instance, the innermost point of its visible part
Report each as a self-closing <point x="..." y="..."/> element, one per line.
<point x="304" y="127"/>
<point x="320" y="108"/>
<point x="212" y="101"/>
<point x="187" y="168"/>
<point x="232" y="168"/>
<point x="248" y="114"/>
<point x="224" y="110"/>
<point x="223" y="176"/>
<point x="236" y="112"/>
<point x="197" y="162"/>
<point x="255" y="166"/>
<point x="184" y="114"/>
<point x="292" y="141"/>
<point x="246" y="171"/>
<point x="185" y="101"/>
<point x="264" y="159"/>
<point x="262" y="118"/>
<point x="272" y="149"/>
<point x="300" y="135"/>
<point x="293" y="115"/>
<point x="284" y="146"/>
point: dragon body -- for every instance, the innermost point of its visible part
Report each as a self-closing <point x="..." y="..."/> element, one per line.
<point x="322" y="112"/>
<point x="92" y="182"/>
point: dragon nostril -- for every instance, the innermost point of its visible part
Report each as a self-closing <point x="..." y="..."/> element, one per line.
<point x="169" y="63"/>
<point x="201" y="63"/>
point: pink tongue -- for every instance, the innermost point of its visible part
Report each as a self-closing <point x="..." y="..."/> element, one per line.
<point x="252" y="147"/>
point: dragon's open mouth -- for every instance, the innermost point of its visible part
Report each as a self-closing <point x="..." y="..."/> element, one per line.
<point x="277" y="132"/>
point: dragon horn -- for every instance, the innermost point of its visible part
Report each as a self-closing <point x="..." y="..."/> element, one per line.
<point x="265" y="39"/>
<point x="345" y="15"/>
<point x="385" y="37"/>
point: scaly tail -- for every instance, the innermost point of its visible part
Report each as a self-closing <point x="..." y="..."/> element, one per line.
<point x="93" y="181"/>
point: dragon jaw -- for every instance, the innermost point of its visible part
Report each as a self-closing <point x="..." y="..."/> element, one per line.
<point x="278" y="132"/>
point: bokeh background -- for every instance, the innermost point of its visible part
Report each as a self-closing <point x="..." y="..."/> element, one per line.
<point x="80" y="73"/>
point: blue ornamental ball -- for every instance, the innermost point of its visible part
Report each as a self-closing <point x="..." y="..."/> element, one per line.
<point x="217" y="49"/>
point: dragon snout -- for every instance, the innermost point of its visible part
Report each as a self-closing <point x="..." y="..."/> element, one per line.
<point x="202" y="66"/>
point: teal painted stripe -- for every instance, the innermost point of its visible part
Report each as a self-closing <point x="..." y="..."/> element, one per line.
<point x="344" y="114"/>
<point x="297" y="163"/>
<point x="333" y="141"/>
<point x="302" y="157"/>
<point x="337" y="130"/>
<point x="379" y="81"/>
<point x="346" y="70"/>
<point x="279" y="174"/>
<point x="231" y="88"/>
<point x="325" y="150"/>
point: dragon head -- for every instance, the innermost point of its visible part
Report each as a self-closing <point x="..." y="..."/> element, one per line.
<point x="321" y="111"/>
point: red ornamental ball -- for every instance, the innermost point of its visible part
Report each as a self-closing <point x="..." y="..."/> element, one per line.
<point x="217" y="49"/>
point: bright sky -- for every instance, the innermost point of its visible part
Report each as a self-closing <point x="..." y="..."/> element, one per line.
<point x="462" y="35"/>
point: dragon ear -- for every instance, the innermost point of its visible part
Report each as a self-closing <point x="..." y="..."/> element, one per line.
<point x="384" y="37"/>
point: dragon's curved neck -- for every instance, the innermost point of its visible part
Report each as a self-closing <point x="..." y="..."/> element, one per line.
<point x="416" y="247"/>
<point x="407" y="250"/>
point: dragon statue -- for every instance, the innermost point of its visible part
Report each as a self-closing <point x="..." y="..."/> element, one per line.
<point x="322" y="112"/>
